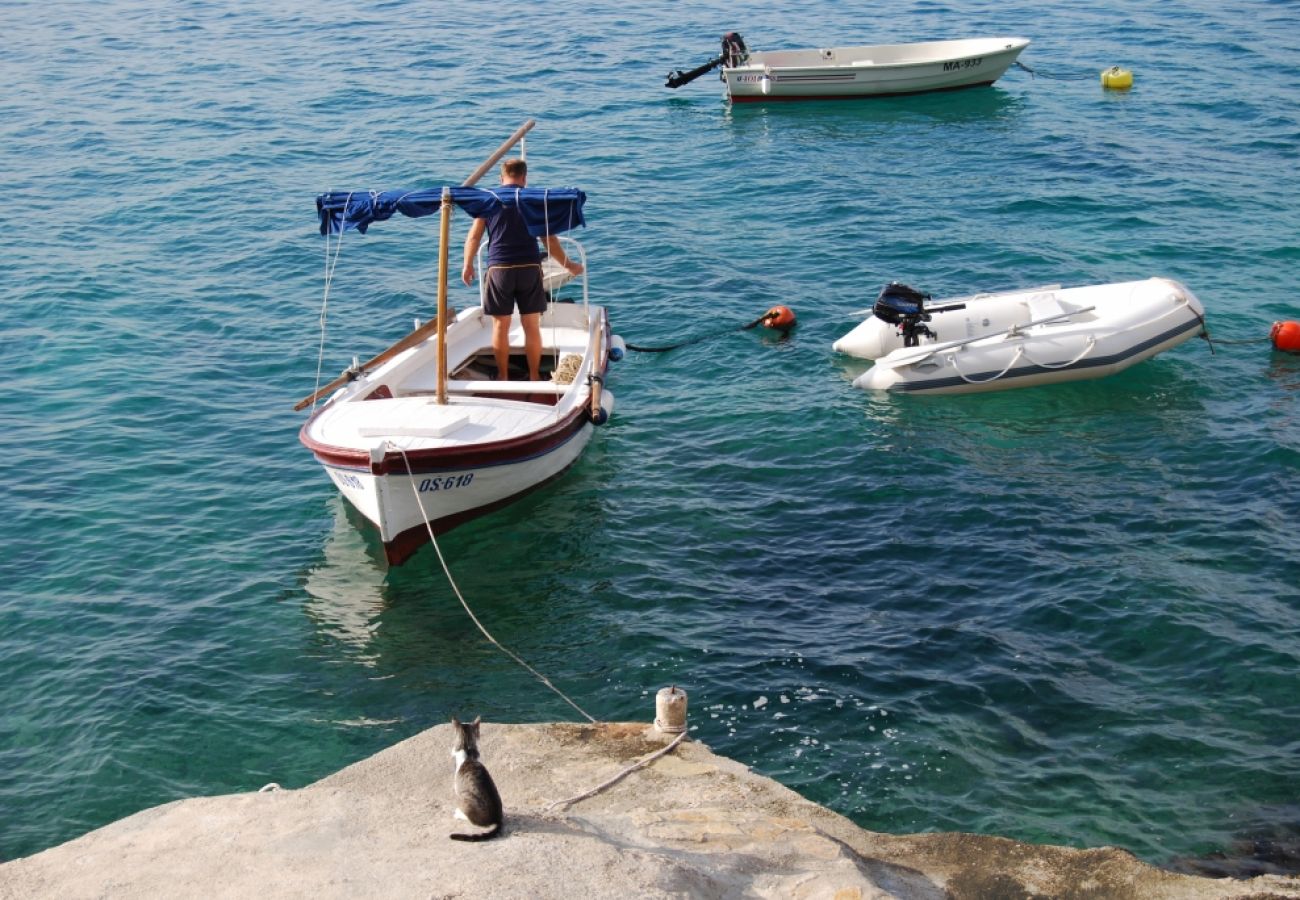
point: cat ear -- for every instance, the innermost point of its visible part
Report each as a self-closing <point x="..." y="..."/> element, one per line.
<point x="477" y="719"/>
<point x="455" y="722"/>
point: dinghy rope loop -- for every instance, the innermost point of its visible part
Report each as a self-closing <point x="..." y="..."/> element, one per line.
<point x="1092" y="342"/>
<point x="1020" y="351"/>
<point x="461" y="597"/>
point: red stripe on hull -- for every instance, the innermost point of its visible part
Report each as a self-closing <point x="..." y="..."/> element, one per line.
<point x="443" y="458"/>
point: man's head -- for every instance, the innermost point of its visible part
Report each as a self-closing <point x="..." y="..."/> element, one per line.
<point x="514" y="171"/>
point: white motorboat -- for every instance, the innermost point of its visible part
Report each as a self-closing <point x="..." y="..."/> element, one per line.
<point x="991" y="342"/>
<point x="873" y="70"/>
<point x="422" y="437"/>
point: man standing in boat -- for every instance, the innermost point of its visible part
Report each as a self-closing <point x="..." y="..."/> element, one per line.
<point x="514" y="272"/>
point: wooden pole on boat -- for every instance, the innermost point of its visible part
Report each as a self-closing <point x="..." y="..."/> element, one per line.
<point x="596" y="412"/>
<point x="430" y="327"/>
<point x="500" y="152"/>
<point x="444" y="237"/>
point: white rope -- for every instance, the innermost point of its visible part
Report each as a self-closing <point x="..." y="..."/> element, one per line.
<point x="620" y="776"/>
<point x="1092" y="342"/>
<point x="550" y="295"/>
<point x="325" y="300"/>
<point x="1014" y="357"/>
<point x="447" y="571"/>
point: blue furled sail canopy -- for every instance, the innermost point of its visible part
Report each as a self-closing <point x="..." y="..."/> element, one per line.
<point x="545" y="210"/>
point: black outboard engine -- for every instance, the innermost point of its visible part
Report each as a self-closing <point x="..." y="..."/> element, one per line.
<point x="904" y="306"/>
<point x="734" y="53"/>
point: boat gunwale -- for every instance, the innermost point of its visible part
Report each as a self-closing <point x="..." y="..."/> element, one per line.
<point x="551" y="433"/>
<point x="755" y="64"/>
<point x="430" y="459"/>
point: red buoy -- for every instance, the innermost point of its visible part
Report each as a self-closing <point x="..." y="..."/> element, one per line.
<point x="779" y="317"/>
<point x="1286" y="336"/>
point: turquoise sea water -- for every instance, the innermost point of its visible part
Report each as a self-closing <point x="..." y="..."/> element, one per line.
<point x="1067" y="614"/>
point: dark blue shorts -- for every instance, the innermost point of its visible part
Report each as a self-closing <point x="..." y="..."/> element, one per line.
<point x="510" y="285"/>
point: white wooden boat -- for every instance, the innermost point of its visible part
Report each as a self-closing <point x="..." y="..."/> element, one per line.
<point x="873" y="70"/>
<point x="991" y="342"/>
<point x="422" y="437"/>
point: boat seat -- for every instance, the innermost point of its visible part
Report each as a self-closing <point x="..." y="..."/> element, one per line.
<point x="1041" y="306"/>
<point x="475" y="386"/>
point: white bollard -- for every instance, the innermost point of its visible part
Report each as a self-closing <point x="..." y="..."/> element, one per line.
<point x="670" y="710"/>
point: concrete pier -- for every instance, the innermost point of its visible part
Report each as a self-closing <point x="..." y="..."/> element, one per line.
<point x="690" y="824"/>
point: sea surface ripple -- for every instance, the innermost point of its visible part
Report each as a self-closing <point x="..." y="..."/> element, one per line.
<point x="1068" y="614"/>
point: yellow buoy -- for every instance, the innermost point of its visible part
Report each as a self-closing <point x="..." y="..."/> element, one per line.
<point x="1117" y="79"/>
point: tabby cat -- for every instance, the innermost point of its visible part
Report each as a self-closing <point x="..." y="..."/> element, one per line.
<point x="477" y="800"/>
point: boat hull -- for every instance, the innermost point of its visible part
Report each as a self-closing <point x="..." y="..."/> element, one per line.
<point x="871" y="71"/>
<point x="1097" y="331"/>
<point x="413" y="467"/>
<point x="438" y="494"/>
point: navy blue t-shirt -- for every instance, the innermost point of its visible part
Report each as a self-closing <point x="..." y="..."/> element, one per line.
<point x="509" y="242"/>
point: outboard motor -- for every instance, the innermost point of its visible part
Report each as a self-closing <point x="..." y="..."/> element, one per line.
<point x="904" y="306"/>
<point x="734" y="53"/>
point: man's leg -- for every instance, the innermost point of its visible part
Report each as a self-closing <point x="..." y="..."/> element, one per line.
<point x="532" y="323"/>
<point x="501" y="345"/>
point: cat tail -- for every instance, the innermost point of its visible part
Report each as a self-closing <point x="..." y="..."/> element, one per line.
<point x="482" y="836"/>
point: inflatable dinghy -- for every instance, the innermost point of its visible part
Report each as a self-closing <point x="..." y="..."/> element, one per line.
<point x="993" y="342"/>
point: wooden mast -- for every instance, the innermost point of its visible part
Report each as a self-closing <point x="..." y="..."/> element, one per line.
<point x="443" y="238"/>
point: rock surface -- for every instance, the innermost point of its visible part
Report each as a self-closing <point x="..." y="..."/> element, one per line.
<point x="690" y="824"/>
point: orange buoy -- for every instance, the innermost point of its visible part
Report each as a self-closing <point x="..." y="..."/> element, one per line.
<point x="1286" y="336"/>
<point x="779" y="317"/>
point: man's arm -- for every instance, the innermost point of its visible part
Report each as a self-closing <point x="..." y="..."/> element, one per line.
<point x="557" y="253"/>
<point x="471" y="250"/>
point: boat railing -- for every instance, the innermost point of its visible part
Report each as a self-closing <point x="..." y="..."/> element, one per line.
<point x="568" y="244"/>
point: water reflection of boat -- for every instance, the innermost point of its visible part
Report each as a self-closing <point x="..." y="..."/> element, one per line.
<point x="345" y="590"/>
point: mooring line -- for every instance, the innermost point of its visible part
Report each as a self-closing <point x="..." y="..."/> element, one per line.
<point x="455" y="588"/>
<point x="639" y="764"/>
<point x="778" y="317"/>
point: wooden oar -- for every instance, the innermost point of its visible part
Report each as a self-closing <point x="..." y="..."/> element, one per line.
<point x="431" y="326"/>
<point x="500" y="152"/>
